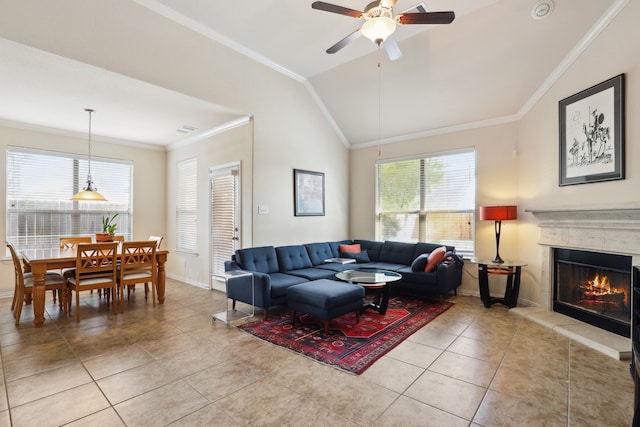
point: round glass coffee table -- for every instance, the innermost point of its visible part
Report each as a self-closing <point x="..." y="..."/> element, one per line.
<point x="372" y="278"/>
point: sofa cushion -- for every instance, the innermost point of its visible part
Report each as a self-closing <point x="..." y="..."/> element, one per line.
<point x="319" y="252"/>
<point x="397" y="252"/>
<point x="353" y="248"/>
<point x="280" y="282"/>
<point x="435" y="258"/>
<point x="360" y="257"/>
<point x="420" y="277"/>
<point x="420" y="263"/>
<point x="262" y="259"/>
<point x="312" y="273"/>
<point x="372" y="247"/>
<point x="292" y="257"/>
<point x="334" y="247"/>
<point x="383" y="266"/>
<point x="427" y="248"/>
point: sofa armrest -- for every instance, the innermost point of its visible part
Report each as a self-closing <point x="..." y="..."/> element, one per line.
<point x="449" y="277"/>
<point x="240" y="289"/>
<point x="231" y="265"/>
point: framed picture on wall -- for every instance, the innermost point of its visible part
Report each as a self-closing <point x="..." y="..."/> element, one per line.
<point x="592" y="134"/>
<point x="308" y="193"/>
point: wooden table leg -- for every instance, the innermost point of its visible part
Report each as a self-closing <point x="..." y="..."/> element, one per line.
<point x="38" y="294"/>
<point x="161" y="278"/>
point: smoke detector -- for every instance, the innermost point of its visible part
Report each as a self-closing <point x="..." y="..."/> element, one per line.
<point x="542" y="9"/>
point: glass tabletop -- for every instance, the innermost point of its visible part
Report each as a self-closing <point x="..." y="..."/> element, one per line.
<point x="369" y="275"/>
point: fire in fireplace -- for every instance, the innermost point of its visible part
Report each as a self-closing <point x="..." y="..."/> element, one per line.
<point x="594" y="288"/>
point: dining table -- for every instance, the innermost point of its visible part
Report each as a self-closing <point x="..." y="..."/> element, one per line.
<point x="38" y="261"/>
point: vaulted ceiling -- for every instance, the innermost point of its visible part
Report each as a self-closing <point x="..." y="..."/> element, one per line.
<point x="488" y="66"/>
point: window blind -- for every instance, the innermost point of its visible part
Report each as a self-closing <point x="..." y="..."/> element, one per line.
<point x="39" y="188"/>
<point x="428" y="199"/>
<point x="186" y="206"/>
<point x="224" y="214"/>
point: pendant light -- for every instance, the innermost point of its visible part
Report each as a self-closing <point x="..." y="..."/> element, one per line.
<point x="89" y="194"/>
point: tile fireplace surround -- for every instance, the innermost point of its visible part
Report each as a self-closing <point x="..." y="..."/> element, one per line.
<point x="613" y="229"/>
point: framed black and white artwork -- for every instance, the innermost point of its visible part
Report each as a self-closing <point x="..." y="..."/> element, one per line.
<point x="592" y="134"/>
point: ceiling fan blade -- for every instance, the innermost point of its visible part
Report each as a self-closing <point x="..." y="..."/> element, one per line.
<point x="427" y="18"/>
<point x="345" y="41"/>
<point x="392" y="48"/>
<point x="328" y="7"/>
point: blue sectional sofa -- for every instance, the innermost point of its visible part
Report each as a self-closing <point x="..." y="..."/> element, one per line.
<point x="276" y="268"/>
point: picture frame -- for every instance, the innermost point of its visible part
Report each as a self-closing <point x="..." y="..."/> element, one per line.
<point x="308" y="193"/>
<point x="592" y="127"/>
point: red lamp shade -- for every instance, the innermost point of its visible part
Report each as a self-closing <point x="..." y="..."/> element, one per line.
<point x="498" y="213"/>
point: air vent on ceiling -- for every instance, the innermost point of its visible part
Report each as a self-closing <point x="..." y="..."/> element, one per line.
<point x="185" y="129"/>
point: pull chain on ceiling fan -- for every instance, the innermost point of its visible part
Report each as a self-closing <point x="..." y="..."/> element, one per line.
<point x="380" y="23"/>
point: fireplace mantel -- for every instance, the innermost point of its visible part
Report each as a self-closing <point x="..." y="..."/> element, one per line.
<point x="611" y="212"/>
<point x="611" y="228"/>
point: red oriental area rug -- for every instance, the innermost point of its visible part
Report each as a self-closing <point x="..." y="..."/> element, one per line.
<point x="350" y="346"/>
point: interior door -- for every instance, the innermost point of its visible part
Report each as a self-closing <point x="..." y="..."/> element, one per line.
<point x="225" y="217"/>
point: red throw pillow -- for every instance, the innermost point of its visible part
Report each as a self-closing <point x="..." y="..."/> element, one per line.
<point x="435" y="258"/>
<point x="355" y="248"/>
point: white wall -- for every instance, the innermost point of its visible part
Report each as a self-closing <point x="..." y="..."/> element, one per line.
<point x="289" y="130"/>
<point x="496" y="183"/>
<point x="527" y="177"/>
<point x="613" y="52"/>
<point x="149" y="184"/>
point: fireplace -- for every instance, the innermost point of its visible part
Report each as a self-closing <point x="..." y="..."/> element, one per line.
<point x="593" y="287"/>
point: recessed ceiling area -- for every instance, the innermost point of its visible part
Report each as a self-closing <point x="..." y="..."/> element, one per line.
<point x="51" y="91"/>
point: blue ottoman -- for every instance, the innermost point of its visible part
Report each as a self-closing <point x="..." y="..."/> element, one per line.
<point x="325" y="299"/>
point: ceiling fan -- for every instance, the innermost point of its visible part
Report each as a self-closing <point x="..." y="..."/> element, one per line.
<point x="380" y="23"/>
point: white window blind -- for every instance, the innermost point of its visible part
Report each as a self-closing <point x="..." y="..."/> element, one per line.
<point x="428" y="199"/>
<point x="224" y="217"/>
<point x="186" y="206"/>
<point x="40" y="185"/>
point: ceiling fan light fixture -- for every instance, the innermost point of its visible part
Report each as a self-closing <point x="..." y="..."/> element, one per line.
<point x="378" y="29"/>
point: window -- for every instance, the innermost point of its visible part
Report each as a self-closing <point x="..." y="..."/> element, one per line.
<point x="40" y="185"/>
<point x="428" y="199"/>
<point x="186" y="206"/>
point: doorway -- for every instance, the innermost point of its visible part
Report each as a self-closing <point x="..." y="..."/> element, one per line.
<point x="225" y="219"/>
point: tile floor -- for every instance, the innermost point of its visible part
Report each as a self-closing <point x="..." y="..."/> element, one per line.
<point x="173" y="366"/>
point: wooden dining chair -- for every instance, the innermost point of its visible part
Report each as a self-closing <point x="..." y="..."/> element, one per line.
<point x="118" y="238"/>
<point x="72" y="242"/>
<point x="137" y="265"/>
<point x="24" y="285"/>
<point x="96" y="265"/>
<point x="157" y="239"/>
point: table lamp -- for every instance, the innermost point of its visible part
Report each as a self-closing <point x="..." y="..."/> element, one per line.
<point x="498" y="214"/>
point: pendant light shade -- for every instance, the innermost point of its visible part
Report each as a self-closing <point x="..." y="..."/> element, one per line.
<point x="89" y="193"/>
